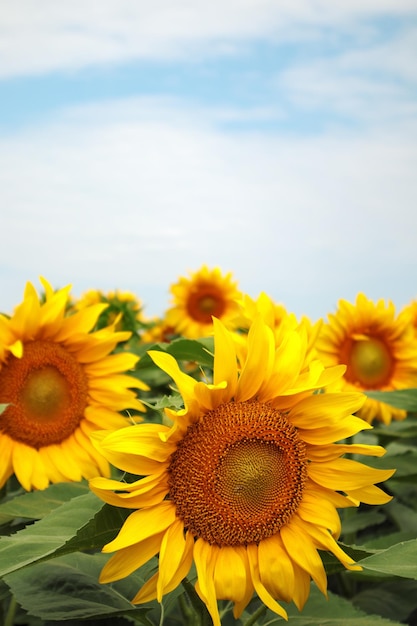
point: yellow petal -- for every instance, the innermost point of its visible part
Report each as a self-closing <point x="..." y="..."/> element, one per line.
<point x="317" y="510"/>
<point x="175" y="558"/>
<point x="317" y="410"/>
<point x="259" y="360"/>
<point x="80" y="323"/>
<point x="6" y="449"/>
<point x="185" y="383"/>
<point x="145" y="492"/>
<point x="141" y="439"/>
<point x="143" y="524"/>
<point x="230" y="573"/>
<point x="127" y="560"/>
<point x="112" y="364"/>
<point x="263" y="593"/>
<point x="17" y="349"/>
<point x="275" y="569"/>
<point x="225" y="361"/>
<point x="346" y="475"/>
<point x="301" y="549"/>
<point x="205" y="559"/>
<point x="333" y="432"/>
<point x="370" y="495"/>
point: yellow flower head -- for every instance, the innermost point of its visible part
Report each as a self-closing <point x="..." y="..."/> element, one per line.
<point x="277" y="318"/>
<point x="246" y="479"/>
<point x="197" y="299"/>
<point x="410" y="312"/>
<point x="60" y="383"/>
<point x="123" y="308"/>
<point x="378" y="348"/>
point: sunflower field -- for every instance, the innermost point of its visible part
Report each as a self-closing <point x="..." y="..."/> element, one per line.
<point x="226" y="463"/>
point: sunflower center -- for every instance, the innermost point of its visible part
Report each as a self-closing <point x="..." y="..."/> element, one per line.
<point x="46" y="391"/>
<point x="370" y="362"/>
<point x="205" y="303"/>
<point x="238" y="475"/>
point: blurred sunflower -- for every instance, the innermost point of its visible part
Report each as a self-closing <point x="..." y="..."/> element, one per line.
<point x="410" y="312"/>
<point x="378" y="348"/>
<point x="123" y="308"/>
<point x="277" y="318"/>
<point x="60" y="383"/>
<point x="197" y="299"/>
<point x="245" y="481"/>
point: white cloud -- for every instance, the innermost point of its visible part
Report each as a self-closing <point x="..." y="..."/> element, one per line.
<point x="375" y="82"/>
<point x="134" y="194"/>
<point x="38" y="36"/>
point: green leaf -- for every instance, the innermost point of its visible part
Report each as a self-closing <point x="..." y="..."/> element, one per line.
<point x="43" y="538"/>
<point x="399" y="560"/>
<point x="67" y="588"/>
<point x="405" y="399"/>
<point x="3" y="407"/>
<point x="406" y="429"/>
<point x="360" y="520"/>
<point x="394" y="599"/>
<point x="334" y="611"/>
<point x="199" y="351"/>
<point x="404" y="517"/>
<point x="37" y="504"/>
<point x="174" y="402"/>
<point x="101" y="529"/>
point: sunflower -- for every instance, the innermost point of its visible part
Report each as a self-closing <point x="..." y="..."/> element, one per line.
<point x="244" y="481"/>
<point x="410" y="312"/>
<point x="277" y="318"/>
<point x="206" y="293"/>
<point x="377" y="346"/>
<point x="60" y="383"/>
<point x="122" y="306"/>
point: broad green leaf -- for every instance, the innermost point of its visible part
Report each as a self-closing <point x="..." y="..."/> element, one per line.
<point x="37" y="504"/>
<point x="360" y="520"/>
<point x="333" y="565"/>
<point x="67" y="588"/>
<point x="319" y="611"/>
<point x="406" y="429"/>
<point x="199" y="351"/>
<point x="404" y="517"/>
<point x="394" y="599"/>
<point x="43" y="538"/>
<point x="3" y="407"/>
<point x="101" y="529"/>
<point x="401" y="399"/>
<point x="399" y="560"/>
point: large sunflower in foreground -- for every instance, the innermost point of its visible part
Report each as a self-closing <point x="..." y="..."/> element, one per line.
<point x="246" y="480"/>
<point x="60" y="383"/>
<point x="206" y="293"/>
<point x="378" y="348"/>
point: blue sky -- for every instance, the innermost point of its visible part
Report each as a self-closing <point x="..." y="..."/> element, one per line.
<point x="276" y="140"/>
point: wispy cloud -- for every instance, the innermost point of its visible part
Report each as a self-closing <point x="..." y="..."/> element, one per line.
<point x="373" y="81"/>
<point x="134" y="194"/>
<point x="52" y="36"/>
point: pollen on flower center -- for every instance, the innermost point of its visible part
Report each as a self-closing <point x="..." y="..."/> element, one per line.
<point x="202" y="305"/>
<point x="46" y="391"/>
<point x="370" y="362"/>
<point x="238" y="475"/>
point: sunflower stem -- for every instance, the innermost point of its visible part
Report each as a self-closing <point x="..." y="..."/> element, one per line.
<point x="254" y="617"/>
<point x="198" y="611"/>
<point x="11" y="611"/>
